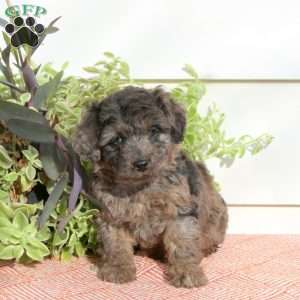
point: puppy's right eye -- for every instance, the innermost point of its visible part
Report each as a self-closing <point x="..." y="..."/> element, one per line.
<point x="118" y="140"/>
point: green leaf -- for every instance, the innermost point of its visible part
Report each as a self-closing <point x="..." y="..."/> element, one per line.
<point x="242" y="152"/>
<point x="43" y="234"/>
<point x="109" y="54"/>
<point x="91" y="69"/>
<point x="60" y="238"/>
<point x="20" y="220"/>
<point x="29" y="231"/>
<point x="5" y="161"/>
<point x="65" y="65"/>
<point x="4" y="222"/>
<point x="10" y="110"/>
<point x="36" y="250"/>
<point x="33" y="253"/>
<point x="6" y="210"/>
<point x="83" y="228"/>
<point x="100" y="62"/>
<point x="31" y="153"/>
<point x="4" y="197"/>
<point x="40" y="246"/>
<point x="124" y="69"/>
<point x="18" y="252"/>
<point x="11" y="252"/>
<point x="53" y="199"/>
<point x="92" y="236"/>
<point x="27" y="209"/>
<point x="73" y="240"/>
<point x="191" y="71"/>
<point x="37" y="163"/>
<point x="53" y="160"/>
<point x="26" y="184"/>
<point x="46" y="91"/>
<point x="10" y="234"/>
<point x="29" y="130"/>
<point x="66" y="254"/>
<point x="79" y="249"/>
<point x="30" y="172"/>
<point x="11" y="177"/>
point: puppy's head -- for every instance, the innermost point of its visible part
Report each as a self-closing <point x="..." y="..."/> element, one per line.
<point x="131" y="134"/>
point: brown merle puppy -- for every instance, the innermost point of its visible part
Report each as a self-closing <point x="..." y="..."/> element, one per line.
<point x="150" y="194"/>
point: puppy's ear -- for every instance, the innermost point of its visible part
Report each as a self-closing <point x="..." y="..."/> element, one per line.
<point x="173" y="111"/>
<point x="86" y="134"/>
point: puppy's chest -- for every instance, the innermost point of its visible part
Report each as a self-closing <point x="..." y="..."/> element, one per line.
<point x="147" y="212"/>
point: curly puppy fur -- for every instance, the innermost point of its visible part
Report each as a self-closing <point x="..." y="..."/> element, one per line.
<point x="150" y="195"/>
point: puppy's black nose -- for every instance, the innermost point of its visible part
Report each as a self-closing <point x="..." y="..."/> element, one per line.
<point x="141" y="165"/>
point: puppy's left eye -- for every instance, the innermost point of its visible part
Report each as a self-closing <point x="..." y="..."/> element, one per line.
<point x="155" y="130"/>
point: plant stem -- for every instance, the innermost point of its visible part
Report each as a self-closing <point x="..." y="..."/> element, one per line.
<point x="14" y="143"/>
<point x="20" y="56"/>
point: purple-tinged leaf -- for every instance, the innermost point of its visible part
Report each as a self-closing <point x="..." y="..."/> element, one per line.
<point x="5" y="55"/>
<point x="53" y="22"/>
<point x="63" y="222"/>
<point x="9" y="110"/>
<point x="29" y="78"/>
<point x="46" y="91"/>
<point x="76" y="172"/>
<point x="52" y="29"/>
<point x="6" y="38"/>
<point x="53" y="160"/>
<point x="3" y="69"/>
<point x="30" y="131"/>
<point x="36" y="70"/>
<point x="3" y="22"/>
<point x="76" y="189"/>
<point x="42" y="36"/>
<point x="52" y="200"/>
<point x="12" y="86"/>
<point x="74" y="163"/>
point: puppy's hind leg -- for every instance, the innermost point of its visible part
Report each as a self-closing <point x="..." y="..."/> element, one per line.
<point x="182" y="244"/>
<point x="215" y="229"/>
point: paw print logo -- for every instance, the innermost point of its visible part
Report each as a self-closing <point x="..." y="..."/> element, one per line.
<point x="24" y="33"/>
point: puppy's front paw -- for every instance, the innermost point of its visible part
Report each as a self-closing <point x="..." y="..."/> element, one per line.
<point x="211" y="250"/>
<point x="117" y="274"/>
<point x="187" y="277"/>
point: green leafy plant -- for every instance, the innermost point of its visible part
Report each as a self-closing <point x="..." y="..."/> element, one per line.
<point x="78" y="236"/>
<point x="205" y="137"/>
<point x="18" y="233"/>
<point x="43" y="209"/>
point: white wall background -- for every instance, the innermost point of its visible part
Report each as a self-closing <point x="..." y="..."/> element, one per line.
<point x="246" y="41"/>
<point x="222" y="39"/>
<point x="272" y="176"/>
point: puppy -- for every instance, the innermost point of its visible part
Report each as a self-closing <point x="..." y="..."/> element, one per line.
<point x="150" y="195"/>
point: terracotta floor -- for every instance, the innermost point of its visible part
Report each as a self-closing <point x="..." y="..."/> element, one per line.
<point x="246" y="267"/>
